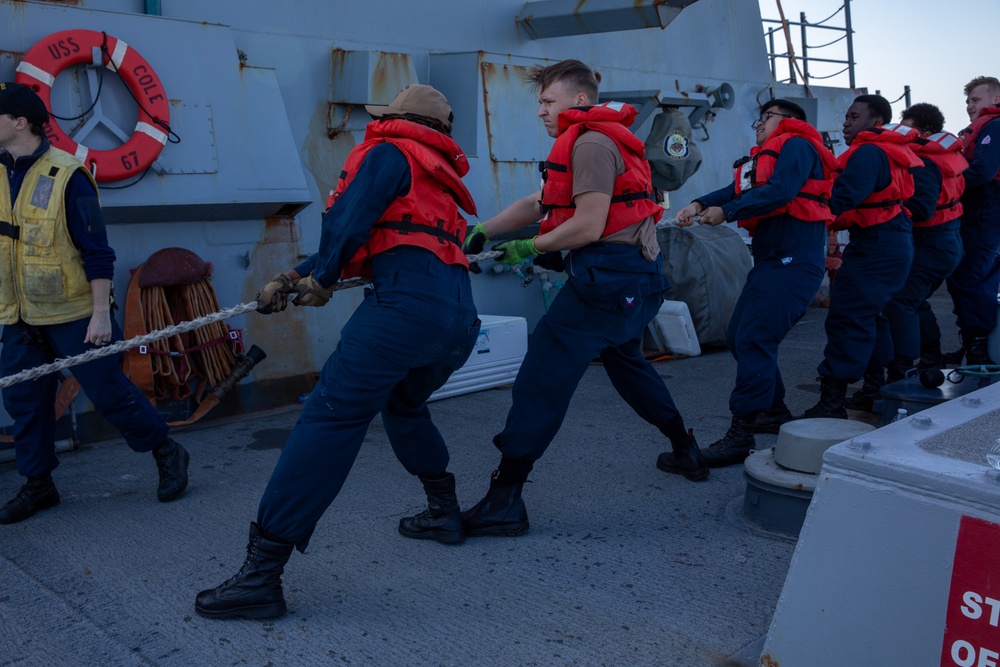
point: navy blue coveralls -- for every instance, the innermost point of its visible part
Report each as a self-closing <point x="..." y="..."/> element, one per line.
<point x="416" y="326"/>
<point x="789" y="261"/>
<point x="612" y="294"/>
<point x="875" y="266"/>
<point x="973" y="285"/>
<point x="26" y="346"/>
<point x="936" y="252"/>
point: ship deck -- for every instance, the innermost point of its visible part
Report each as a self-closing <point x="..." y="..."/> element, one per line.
<point x="623" y="565"/>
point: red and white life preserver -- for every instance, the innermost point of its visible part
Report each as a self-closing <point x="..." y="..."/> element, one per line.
<point x="46" y="59"/>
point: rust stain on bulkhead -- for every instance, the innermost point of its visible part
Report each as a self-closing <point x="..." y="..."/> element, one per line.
<point x="284" y="336"/>
<point x="338" y="61"/>
<point x="390" y="70"/>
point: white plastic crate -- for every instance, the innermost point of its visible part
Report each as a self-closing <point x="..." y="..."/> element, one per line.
<point x="499" y="351"/>
<point x="676" y="329"/>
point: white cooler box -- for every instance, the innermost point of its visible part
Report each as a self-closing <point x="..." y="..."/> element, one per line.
<point x="499" y="351"/>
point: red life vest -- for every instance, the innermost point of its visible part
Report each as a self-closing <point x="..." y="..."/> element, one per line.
<point x="971" y="134"/>
<point x="883" y="205"/>
<point x="944" y="150"/>
<point x="632" y="196"/>
<point x="427" y="216"/>
<point x="812" y="203"/>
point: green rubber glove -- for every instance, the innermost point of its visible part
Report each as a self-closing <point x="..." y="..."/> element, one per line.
<point x="516" y="251"/>
<point x="475" y="240"/>
<point x="474" y="243"/>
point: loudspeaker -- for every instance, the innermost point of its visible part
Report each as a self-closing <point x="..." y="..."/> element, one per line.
<point x="723" y="97"/>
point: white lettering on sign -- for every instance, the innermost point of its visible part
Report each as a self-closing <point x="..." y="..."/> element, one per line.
<point x="971" y="637"/>
<point x="964" y="655"/>
<point x="973" y="609"/>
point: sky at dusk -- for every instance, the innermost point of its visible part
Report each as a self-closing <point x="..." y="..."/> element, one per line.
<point x="934" y="47"/>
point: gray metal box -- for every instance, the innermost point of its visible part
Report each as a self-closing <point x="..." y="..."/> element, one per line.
<point x="369" y="77"/>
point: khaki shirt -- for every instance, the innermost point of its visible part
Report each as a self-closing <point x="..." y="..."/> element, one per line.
<point x="596" y="163"/>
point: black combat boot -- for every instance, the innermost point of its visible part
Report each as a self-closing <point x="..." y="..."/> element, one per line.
<point x="930" y="355"/>
<point x="38" y="493"/>
<point x="770" y="420"/>
<point x="735" y="446"/>
<point x="442" y="520"/>
<point x="172" y="462"/>
<point x="831" y="401"/>
<point x="898" y="368"/>
<point x="255" y="591"/>
<point x="977" y="347"/>
<point x="502" y="511"/>
<point x="685" y="459"/>
<point x="871" y="391"/>
<point x="954" y="358"/>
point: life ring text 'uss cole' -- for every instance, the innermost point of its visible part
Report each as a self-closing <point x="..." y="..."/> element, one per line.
<point x="60" y="50"/>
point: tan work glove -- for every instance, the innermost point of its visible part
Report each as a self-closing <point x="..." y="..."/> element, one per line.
<point x="273" y="297"/>
<point x="311" y="293"/>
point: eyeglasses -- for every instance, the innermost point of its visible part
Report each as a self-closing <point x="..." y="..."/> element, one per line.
<point x="766" y="117"/>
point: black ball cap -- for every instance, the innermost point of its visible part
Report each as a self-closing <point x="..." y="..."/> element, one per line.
<point x="20" y="101"/>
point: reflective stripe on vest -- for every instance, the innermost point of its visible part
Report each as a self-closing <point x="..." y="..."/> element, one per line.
<point x="42" y="280"/>
<point x="944" y="150"/>
<point x="812" y="202"/>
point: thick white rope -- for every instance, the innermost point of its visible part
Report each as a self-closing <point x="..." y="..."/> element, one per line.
<point x="672" y="222"/>
<point x="121" y="346"/>
<point x="483" y="256"/>
<point x="173" y="330"/>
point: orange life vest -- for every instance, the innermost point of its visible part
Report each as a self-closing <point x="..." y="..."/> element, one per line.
<point x="886" y="204"/>
<point x="944" y="149"/>
<point x="632" y="197"/>
<point x="812" y="202"/>
<point x="427" y="216"/>
<point x="971" y="134"/>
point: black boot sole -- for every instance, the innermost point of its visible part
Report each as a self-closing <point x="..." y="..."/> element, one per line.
<point x="824" y="415"/>
<point x="693" y="475"/>
<point x="502" y="530"/>
<point x="272" y="610"/>
<point x="444" y="537"/>
<point x="770" y="426"/>
<point x="44" y="505"/>
<point x="726" y="461"/>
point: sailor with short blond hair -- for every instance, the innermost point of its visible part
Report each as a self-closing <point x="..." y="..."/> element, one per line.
<point x="597" y="202"/>
<point x="973" y="285"/>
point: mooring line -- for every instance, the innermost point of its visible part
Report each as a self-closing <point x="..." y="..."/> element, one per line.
<point x="173" y="330"/>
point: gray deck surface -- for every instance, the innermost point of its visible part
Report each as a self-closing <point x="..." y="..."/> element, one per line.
<point x="623" y="565"/>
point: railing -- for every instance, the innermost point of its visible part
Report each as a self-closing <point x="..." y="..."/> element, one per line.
<point x="805" y="48"/>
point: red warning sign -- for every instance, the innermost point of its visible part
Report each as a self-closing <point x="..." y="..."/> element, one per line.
<point x="972" y="628"/>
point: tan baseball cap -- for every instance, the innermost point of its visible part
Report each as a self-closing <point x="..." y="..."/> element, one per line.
<point x="416" y="99"/>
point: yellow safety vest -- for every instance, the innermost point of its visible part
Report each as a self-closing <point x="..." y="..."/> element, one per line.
<point x="42" y="280"/>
